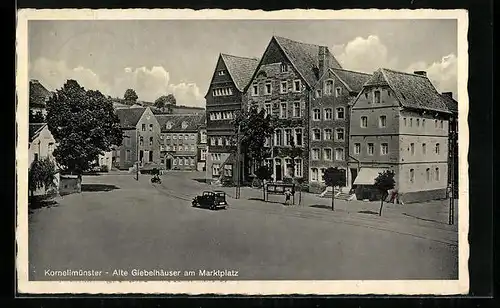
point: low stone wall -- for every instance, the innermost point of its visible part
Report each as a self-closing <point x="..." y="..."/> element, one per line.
<point x="422" y="196"/>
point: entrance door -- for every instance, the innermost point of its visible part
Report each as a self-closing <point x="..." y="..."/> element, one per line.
<point x="169" y="163"/>
<point x="277" y="168"/>
<point x="354" y="174"/>
<point x="150" y="155"/>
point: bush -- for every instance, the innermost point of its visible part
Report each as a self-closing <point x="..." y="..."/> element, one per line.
<point x="104" y="168"/>
<point x="288" y="180"/>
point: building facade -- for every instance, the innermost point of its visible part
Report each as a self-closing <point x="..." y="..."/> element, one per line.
<point x="180" y="140"/>
<point x="38" y="97"/>
<point x="283" y="85"/>
<point x="400" y="122"/>
<point x="329" y="124"/>
<point x="202" y="147"/>
<point x="223" y="101"/>
<point x="141" y="141"/>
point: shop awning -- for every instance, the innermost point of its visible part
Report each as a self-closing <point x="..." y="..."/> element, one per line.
<point x="367" y="176"/>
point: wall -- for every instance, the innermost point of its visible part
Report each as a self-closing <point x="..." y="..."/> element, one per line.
<point x="70" y="184"/>
<point x="173" y="147"/>
<point x="219" y="158"/>
<point x="148" y="118"/>
<point x="129" y="143"/>
<point x="43" y="145"/>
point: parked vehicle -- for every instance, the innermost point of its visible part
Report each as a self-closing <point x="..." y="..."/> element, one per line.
<point x="210" y="200"/>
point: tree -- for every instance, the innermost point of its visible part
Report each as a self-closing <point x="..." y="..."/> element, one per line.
<point x="334" y="177"/>
<point x="384" y="182"/>
<point x="255" y="128"/>
<point x="83" y="124"/>
<point x="41" y="174"/>
<point x="164" y="101"/>
<point x="130" y="96"/>
<point x="36" y="117"/>
<point x="263" y="173"/>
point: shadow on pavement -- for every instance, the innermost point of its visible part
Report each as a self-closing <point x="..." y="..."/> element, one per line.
<point x="98" y="187"/>
<point x="321" y="206"/>
<point x="368" y="212"/>
<point x="38" y="202"/>
<point x="203" y="181"/>
<point x="425" y="219"/>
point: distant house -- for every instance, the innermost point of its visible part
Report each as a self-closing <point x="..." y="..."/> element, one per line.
<point x="38" y="96"/>
<point x="453" y="140"/>
<point x="41" y="145"/>
<point x="400" y="122"/>
<point x="180" y="140"/>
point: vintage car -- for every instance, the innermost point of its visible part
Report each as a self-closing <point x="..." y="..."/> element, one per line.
<point x="211" y="200"/>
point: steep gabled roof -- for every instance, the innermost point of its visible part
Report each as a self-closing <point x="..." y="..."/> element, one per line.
<point x="35" y="129"/>
<point x="38" y="94"/>
<point x="129" y="116"/>
<point x="354" y="81"/>
<point x="412" y="91"/>
<point x="193" y="121"/>
<point x="450" y="102"/>
<point x="304" y="57"/>
<point x="241" y="69"/>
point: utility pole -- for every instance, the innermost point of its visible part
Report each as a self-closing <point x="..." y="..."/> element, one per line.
<point x="238" y="164"/>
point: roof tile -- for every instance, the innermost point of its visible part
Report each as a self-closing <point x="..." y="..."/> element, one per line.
<point x="241" y="69"/>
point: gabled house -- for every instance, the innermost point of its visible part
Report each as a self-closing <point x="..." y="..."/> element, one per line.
<point x="179" y="140"/>
<point x="283" y="84"/>
<point x="141" y="142"/>
<point x="400" y="122"/>
<point x="38" y="96"/>
<point x="223" y="100"/>
<point x="41" y="145"/>
<point x="329" y="123"/>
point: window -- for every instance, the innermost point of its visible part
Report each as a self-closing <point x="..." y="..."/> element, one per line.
<point x="174" y="148"/>
<point x="267" y="109"/>
<point x="316" y="134"/>
<point x="384" y="148"/>
<point x="141" y="140"/>
<point x="437" y="148"/>
<point x="357" y="148"/>
<point x="215" y="169"/>
<point x="219" y="141"/>
<point x="184" y="125"/>
<point x="340" y="113"/>
<point x="316" y="114"/>
<point x="339" y="133"/>
<point x="221" y="73"/>
<point x="435" y="123"/>
<point x="436" y="174"/>
<point x="212" y="141"/>
<point x="283" y="110"/>
<point x="203" y="154"/>
<point x="296" y="109"/>
<point x="411" y="122"/>
<point x="338" y="92"/>
<point x="404" y="121"/>
<point x="168" y="148"/>
<point x="150" y="141"/>
<point x="228" y="141"/>
<point x="51" y="147"/>
<point x="339" y="154"/>
<point x="298" y="137"/>
<point x="228" y="170"/>
<point x="180" y="161"/>
<point x="284" y="67"/>
<point x="192" y="147"/>
<point x="186" y="137"/>
<point x="277" y="137"/>
<point x="298" y="167"/>
<point x="328" y="113"/>
<point x="364" y="121"/>
<point x="255" y="90"/>
<point x="382" y="121"/>
<point x="144" y="127"/>
<point x="288" y="136"/>
<point x="186" y="161"/>
<point x="283" y="87"/>
<point x="268" y="88"/>
<point x="327" y="154"/>
<point x="150" y="127"/>
<point x="315" y="154"/>
<point x="370" y="149"/>
<point x="297" y="86"/>
<point x="174" y="137"/>
<point x="418" y="122"/>
<point x="441" y="124"/>
<point x="175" y="161"/>
<point x="288" y="167"/>
<point x="327" y="134"/>
<point x="314" y="174"/>
<point x="329" y="87"/>
<point x="180" y="137"/>
<point x="412" y="175"/>
<point x="377" y="97"/>
<point x="428" y="174"/>
<point x="412" y="148"/>
<point x="318" y="93"/>
<point x="127" y="155"/>
<point x="192" y="136"/>
<point x="191" y="161"/>
<point x="424" y="148"/>
<point x="423" y="123"/>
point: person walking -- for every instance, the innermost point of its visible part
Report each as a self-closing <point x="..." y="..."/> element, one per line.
<point x="288" y="195"/>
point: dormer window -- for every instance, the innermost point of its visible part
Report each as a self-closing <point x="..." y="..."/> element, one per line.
<point x="284" y="67"/>
<point x="376" y="97"/>
<point x="168" y="125"/>
<point x="329" y="87"/>
<point x="221" y="73"/>
<point x="338" y="92"/>
<point x="255" y="90"/>
<point x="184" y="125"/>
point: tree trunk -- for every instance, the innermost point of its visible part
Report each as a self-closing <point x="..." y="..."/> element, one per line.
<point x="333" y="199"/>
<point x="381" y="204"/>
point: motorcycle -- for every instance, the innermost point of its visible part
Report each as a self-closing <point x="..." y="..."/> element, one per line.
<point x="156" y="180"/>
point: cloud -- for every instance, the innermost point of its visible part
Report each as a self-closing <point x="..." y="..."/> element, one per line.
<point x="443" y="74"/>
<point x="149" y="83"/>
<point x="365" y="55"/>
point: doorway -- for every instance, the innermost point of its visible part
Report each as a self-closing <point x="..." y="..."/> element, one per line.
<point x="169" y="164"/>
<point x="277" y="169"/>
<point x="354" y="174"/>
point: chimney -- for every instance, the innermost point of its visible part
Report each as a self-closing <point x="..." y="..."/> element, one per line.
<point x="35" y="81"/>
<point x="421" y="73"/>
<point x="449" y="94"/>
<point x="323" y="60"/>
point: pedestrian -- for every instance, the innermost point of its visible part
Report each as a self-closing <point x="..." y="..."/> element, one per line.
<point x="288" y="195"/>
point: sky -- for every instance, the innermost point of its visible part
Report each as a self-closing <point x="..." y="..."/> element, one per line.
<point x="158" y="57"/>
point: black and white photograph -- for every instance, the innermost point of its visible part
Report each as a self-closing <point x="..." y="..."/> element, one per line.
<point x="242" y="152"/>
